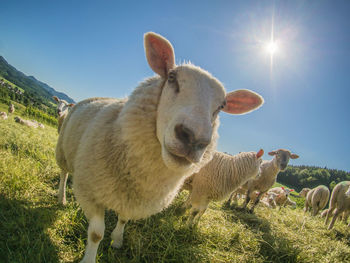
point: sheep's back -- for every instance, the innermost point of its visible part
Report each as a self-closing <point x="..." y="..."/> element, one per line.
<point x="81" y="118"/>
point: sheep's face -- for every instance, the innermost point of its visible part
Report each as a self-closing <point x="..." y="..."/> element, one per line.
<point x="304" y="192"/>
<point x="189" y="104"/>
<point x="188" y="108"/>
<point x="62" y="106"/>
<point x="282" y="157"/>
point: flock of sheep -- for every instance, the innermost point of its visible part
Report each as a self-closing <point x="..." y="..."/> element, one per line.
<point x="134" y="155"/>
<point x="29" y="123"/>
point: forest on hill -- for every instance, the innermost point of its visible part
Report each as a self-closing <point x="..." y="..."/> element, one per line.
<point x="302" y="176"/>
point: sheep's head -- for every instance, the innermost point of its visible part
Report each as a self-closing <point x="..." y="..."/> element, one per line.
<point x="282" y="157"/>
<point x="62" y="106"/>
<point x="189" y="105"/>
<point x="287" y="191"/>
<point x="304" y="192"/>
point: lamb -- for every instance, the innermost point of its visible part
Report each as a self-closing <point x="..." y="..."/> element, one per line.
<point x="3" y="115"/>
<point x="28" y="123"/>
<point x="132" y="155"/>
<point x="218" y="179"/>
<point x="315" y="199"/>
<point x="63" y="108"/>
<point x="282" y="195"/>
<point x="339" y="202"/>
<point x="11" y="108"/>
<point x="268" y="174"/>
<point x="269" y="199"/>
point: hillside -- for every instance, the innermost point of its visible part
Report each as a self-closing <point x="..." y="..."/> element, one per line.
<point x="34" y="228"/>
<point x="302" y="176"/>
<point x="29" y="83"/>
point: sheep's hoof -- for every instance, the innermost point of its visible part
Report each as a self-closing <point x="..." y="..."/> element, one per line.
<point x="250" y="211"/>
<point x="117" y="243"/>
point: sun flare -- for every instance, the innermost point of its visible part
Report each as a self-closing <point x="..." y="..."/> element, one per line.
<point x="271" y="47"/>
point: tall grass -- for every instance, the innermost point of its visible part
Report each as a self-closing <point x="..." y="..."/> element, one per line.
<point x="34" y="228"/>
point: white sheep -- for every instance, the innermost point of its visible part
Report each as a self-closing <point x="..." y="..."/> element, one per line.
<point x="132" y="155"/>
<point x="218" y="179"/>
<point x="40" y="125"/>
<point x="282" y="195"/>
<point x="11" y="108"/>
<point x="63" y="108"/>
<point x="315" y="199"/>
<point x="268" y="174"/>
<point x="3" y="115"/>
<point x="268" y="200"/>
<point x="339" y="202"/>
<point x="28" y="123"/>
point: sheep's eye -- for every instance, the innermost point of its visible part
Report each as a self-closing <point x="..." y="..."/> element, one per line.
<point x="172" y="77"/>
<point x="172" y="80"/>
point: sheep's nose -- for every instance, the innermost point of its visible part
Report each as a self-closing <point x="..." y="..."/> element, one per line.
<point x="188" y="139"/>
<point x="184" y="134"/>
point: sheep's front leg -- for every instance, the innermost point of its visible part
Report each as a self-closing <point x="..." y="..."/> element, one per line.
<point x="118" y="232"/>
<point x="306" y="206"/>
<point x="62" y="188"/>
<point x="247" y="200"/>
<point x="257" y="200"/>
<point x="95" y="235"/>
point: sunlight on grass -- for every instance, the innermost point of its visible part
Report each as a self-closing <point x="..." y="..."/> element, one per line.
<point x="34" y="228"/>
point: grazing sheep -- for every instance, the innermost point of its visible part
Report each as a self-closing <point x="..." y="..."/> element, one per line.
<point x="3" y="115"/>
<point x="133" y="155"/>
<point x="28" y="123"/>
<point x="218" y="179"/>
<point x="268" y="175"/>
<point x="11" y="108"/>
<point x="339" y="202"/>
<point x="63" y="108"/>
<point x="282" y="195"/>
<point x="40" y="125"/>
<point x="315" y="199"/>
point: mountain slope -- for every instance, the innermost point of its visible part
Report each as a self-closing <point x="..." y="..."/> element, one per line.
<point x="29" y="83"/>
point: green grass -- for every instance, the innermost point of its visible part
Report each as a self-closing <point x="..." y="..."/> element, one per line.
<point x="13" y="85"/>
<point x="34" y="228"/>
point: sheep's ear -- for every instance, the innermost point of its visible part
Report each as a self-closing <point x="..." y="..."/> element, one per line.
<point x="260" y="153"/>
<point x="160" y="53"/>
<point x="56" y="99"/>
<point x="273" y="153"/>
<point x="292" y="190"/>
<point x="282" y="188"/>
<point x="294" y="156"/>
<point x="242" y="101"/>
<point x="71" y="105"/>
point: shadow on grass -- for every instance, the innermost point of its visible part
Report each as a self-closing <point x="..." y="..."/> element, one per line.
<point x="274" y="248"/>
<point x="23" y="236"/>
<point x="160" y="238"/>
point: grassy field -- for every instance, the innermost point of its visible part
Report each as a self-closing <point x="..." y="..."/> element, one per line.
<point x="34" y="228"/>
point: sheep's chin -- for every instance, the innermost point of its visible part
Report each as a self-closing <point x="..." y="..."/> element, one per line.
<point x="174" y="162"/>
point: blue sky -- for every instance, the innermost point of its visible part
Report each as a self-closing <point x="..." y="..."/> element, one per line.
<point x="95" y="48"/>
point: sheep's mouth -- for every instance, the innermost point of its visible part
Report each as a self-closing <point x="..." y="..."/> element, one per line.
<point x="183" y="161"/>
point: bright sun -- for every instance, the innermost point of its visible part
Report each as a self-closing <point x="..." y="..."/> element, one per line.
<point x="271" y="47"/>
